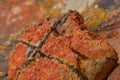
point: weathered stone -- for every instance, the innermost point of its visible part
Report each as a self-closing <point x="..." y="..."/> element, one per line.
<point x="61" y="50"/>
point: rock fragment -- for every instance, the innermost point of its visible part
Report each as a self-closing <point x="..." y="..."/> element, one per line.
<point x="61" y="50"/>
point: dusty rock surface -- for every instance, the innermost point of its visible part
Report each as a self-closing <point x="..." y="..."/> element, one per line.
<point x="61" y="50"/>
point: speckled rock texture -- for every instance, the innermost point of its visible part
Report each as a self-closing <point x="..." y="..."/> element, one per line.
<point x="61" y="49"/>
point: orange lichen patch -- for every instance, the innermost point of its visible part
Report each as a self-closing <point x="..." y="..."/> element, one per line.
<point x="11" y="73"/>
<point x="47" y="70"/>
<point x="87" y="44"/>
<point x="98" y="68"/>
<point x="59" y="47"/>
<point x="95" y="16"/>
<point x="63" y="47"/>
<point x="35" y="34"/>
<point x="78" y="19"/>
<point x="17" y="58"/>
<point x="18" y="54"/>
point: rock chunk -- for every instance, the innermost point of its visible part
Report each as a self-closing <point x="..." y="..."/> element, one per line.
<point x="61" y="50"/>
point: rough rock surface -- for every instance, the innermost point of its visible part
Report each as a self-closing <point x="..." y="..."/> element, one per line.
<point x="61" y="50"/>
<point x="110" y="31"/>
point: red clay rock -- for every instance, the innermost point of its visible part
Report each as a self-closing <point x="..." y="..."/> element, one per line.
<point x="70" y="52"/>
